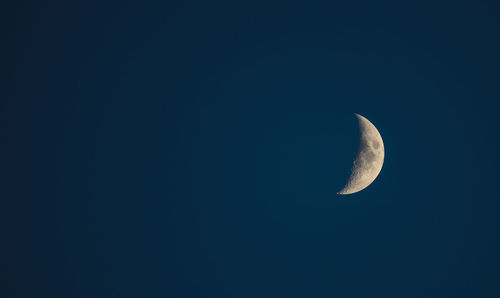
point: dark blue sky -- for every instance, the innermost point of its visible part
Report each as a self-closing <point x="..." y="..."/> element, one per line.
<point x="194" y="149"/>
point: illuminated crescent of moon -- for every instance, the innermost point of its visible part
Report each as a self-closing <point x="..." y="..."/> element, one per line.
<point x="369" y="159"/>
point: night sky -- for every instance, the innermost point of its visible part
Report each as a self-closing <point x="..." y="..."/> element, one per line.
<point x="194" y="149"/>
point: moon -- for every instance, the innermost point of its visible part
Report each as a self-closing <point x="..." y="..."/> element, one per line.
<point x="369" y="160"/>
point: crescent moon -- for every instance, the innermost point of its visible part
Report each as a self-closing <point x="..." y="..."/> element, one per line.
<point x="369" y="159"/>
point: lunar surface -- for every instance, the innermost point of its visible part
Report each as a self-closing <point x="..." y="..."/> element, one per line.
<point x="369" y="159"/>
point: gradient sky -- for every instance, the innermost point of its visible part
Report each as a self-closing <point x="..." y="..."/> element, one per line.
<point x="194" y="149"/>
